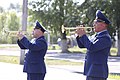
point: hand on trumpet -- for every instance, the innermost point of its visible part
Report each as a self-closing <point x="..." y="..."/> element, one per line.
<point x="20" y="35"/>
<point x="80" y="30"/>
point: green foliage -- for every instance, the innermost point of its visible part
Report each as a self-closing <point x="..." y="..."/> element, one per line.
<point x="58" y="12"/>
<point x="3" y="17"/>
<point x="11" y="22"/>
<point x="55" y="13"/>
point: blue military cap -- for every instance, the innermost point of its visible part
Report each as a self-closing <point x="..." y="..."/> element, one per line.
<point x="100" y="16"/>
<point x="39" y="26"/>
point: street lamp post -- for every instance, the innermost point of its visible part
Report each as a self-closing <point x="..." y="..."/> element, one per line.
<point x="24" y="27"/>
<point x="48" y="35"/>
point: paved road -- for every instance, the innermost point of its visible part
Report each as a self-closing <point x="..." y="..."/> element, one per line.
<point x="14" y="72"/>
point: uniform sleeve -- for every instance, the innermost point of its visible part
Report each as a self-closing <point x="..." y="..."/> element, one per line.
<point x="38" y="45"/>
<point x="80" y="45"/>
<point x="20" y="45"/>
<point x="98" y="44"/>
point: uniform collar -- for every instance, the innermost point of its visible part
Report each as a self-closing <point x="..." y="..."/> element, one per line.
<point x="41" y="37"/>
<point x="101" y="32"/>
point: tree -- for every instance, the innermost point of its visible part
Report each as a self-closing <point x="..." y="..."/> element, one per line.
<point x="8" y="21"/>
<point x="116" y="20"/>
<point x="65" y="12"/>
<point x="3" y="18"/>
<point x="1" y="9"/>
<point x="55" y="14"/>
<point x="13" y="24"/>
<point x="15" y="7"/>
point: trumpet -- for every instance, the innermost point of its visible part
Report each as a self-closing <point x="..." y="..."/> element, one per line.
<point x="72" y="29"/>
<point x="14" y="33"/>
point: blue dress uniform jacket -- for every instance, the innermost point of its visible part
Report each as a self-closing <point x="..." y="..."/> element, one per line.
<point x="34" y="58"/>
<point x="98" y="50"/>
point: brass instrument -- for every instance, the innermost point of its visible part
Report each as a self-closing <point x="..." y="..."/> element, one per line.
<point x="14" y="33"/>
<point x="73" y="29"/>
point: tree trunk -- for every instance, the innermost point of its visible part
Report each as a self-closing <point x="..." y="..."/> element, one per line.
<point x="118" y="53"/>
<point x="64" y="46"/>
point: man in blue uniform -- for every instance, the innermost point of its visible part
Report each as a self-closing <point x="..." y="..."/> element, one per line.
<point x="34" y="64"/>
<point x="98" y="48"/>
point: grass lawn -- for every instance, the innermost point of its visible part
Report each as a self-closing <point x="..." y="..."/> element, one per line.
<point x="15" y="60"/>
<point x="9" y="59"/>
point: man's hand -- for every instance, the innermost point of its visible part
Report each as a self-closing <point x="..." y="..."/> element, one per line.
<point x="80" y="31"/>
<point x="20" y="35"/>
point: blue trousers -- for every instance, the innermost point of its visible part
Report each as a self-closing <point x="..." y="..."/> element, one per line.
<point x="95" y="78"/>
<point x="35" y="76"/>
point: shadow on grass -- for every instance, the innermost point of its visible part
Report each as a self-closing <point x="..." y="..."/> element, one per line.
<point x="78" y="72"/>
<point x="115" y="74"/>
<point x="114" y="59"/>
<point x="66" y="69"/>
<point x="64" y="56"/>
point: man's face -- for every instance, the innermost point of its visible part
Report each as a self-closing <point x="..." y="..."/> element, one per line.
<point x="99" y="25"/>
<point x="37" y="33"/>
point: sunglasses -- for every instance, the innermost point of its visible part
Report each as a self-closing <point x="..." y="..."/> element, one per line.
<point x="98" y="20"/>
<point x="37" y="27"/>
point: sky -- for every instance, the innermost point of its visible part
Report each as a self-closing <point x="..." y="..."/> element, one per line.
<point x="5" y="3"/>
